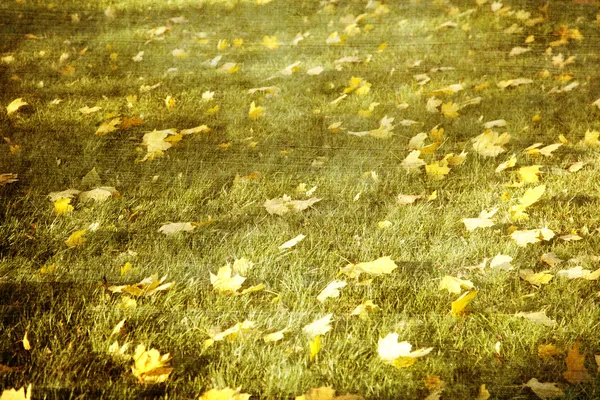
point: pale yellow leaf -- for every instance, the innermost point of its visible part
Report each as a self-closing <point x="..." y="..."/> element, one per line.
<point x="459" y="304"/>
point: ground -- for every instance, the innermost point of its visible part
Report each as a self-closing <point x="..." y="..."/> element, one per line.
<point x="139" y="149"/>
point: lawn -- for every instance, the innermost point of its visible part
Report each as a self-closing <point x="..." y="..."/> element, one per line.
<point x="271" y="198"/>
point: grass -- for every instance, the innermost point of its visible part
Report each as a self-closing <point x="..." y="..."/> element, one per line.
<point x="68" y="313"/>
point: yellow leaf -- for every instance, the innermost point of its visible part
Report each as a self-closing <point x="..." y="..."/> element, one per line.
<point x="146" y="287"/>
<point x="149" y="366"/>
<point x="332" y="290"/>
<point x="224" y="394"/>
<point x="437" y="170"/>
<point x="591" y="138"/>
<point x="378" y="267"/>
<point x="275" y="336"/>
<point x="547" y="351"/>
<point x="76" y="238"/>
<point x="459" y="304"/>
<point x="511" y="162"/>
<point x="318" y="327"/>
<point x="544" y="390"/>
<point x="397" y="353"/>
<point x="489" y="143"/>
<point x="15" y="105"/>
<point x="13" y="394"/>
<point x="62" y="206"/>
<point x="315" y="347"/>
<point x="222" y="44"/>
<point x="448" y="90"/>
<point x="270" y="42"/>
<point x="593" y="276"/>
<point x="412" y="162"/>
<point x="125" y="268"/>
<point x="223" y="282"/>
<point x="576" y="371"/>
<point x="538" y="317"/>
<point x="326" y="393"/>
<point x="525" y="237"/>
<point x="170" y="102"/>
<point x="536" y="279"/>
<point x="230" y="67"/>
<point x="256" y="112"/>
<point x="483" y="394"/>
<point x="26" y="344"/>
<point x="529" y="174"/>
<point x="450" y="110"/>
<point x="455" y="285"/>
<point x="363" y="309"/>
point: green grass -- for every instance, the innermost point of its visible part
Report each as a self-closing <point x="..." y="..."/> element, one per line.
<point x="69" y="314"/>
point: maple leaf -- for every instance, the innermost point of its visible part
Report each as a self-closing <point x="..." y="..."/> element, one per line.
<point x="224" y="394"/>
<point x="576" y="371"/>
<point x="256" y="112"/>
<point x="450" y="110"/>
<point x="76" y="239"/>
<point x="525" y="237"/>
<point x="489" y="143"/>
<point x="149" y="366"/>
<point x="62" y="206"/>
<point x="363" y="309"/>
<point x="483" y="221"/>
<point x="326" y="393"/>
<point x="108" y="126"/>
<point x="378" y="267"/>
<point x="146" y="287"/>
<point x="437" y="170"/>
<point x="98" y="194"/>
<point x="270" y="42"/>
<point x="275" y="336"/>
<point x="14" y="394"/>
<point x="397" y="353"/>
<point x="318" y="327"/>
<point x="223" y="282"/>
<point x="156" y="144"/>
<point x="285" y="204"/>
<point x="332" y="290"/>
<point x="454" y="285"/>
<point x="536" y="279"/>
<point x="292" y="242"/>
<point x="412" y="162"/>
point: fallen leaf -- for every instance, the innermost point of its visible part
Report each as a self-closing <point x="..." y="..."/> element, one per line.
<point x="149" y="366"/>
<point x="412" y="162"/>
<point x="25" y="341"/>
<point x="176" y="227"/>
<point x="573" y="273"/>
<point x="525" y="237"/>
<point x="489" y="143"/>
<point x="454" y="285"/>
<point x="223" y="282"/>
<point x="275" y="336"/>
<point x="318" y="327"/>
<point x="576" y="371"/>
<point x="8" y="178"/>
<point x="332" y="290"/>
<point x="98" y="194"/>
<point x="285" y="204"/>
<point x="76" y="238"/>
<point x="547" y="351"/>
<point x="362" y="310"/>
<point x="315" y="347"/>
<point x="107" y="127"/>
<point x="13" y="394"/>
<point x="146" y="287"/>
<point x="459" y="304"/>
<point x="378" y="267"/>
<point x="225" y="394"/>
<point x="538" y="317"/>
<point x="544" y="390"/>
<point x="536" y="279"/>
<point x="15" y="105"/>
<point x="62" y="206"/>
<point x="551" y="259"/>
<point x="397" y="353"/>
<point x="292" y="242"/>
